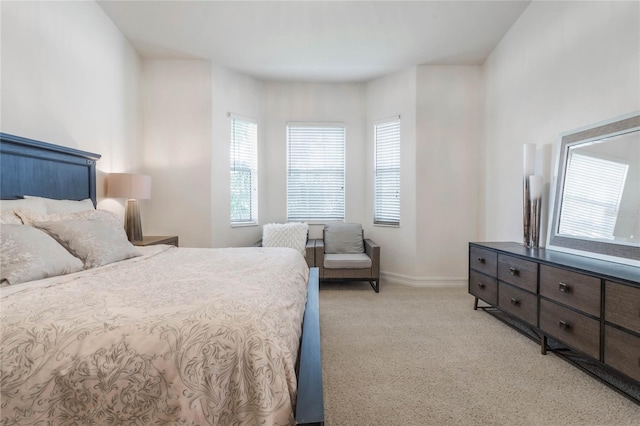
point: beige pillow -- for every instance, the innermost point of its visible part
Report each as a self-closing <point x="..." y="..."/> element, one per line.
<point x="95" y="242"/>
<point x="29" y="217"/>
<point x="9" y="217"/>
<point x="29" y="254"/>
<point x="63" y="206"/>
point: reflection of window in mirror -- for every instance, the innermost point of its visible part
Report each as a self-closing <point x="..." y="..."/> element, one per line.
<point x="592" y="194"/>
<point x="595" y="208"/>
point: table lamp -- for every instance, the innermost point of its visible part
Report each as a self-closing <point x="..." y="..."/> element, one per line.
<point x="133" y="187"/>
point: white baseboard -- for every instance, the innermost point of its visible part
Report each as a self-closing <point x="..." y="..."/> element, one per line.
<point x="424" y="281"/>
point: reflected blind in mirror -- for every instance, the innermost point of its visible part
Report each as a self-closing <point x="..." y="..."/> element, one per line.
<point x="592" y="193"/>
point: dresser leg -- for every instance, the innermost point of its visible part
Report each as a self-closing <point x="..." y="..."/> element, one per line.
<point x="543" y="345"/>
<point x="475" y="304"/>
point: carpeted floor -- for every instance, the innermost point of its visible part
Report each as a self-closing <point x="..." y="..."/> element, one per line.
<point x="423" y="356"/>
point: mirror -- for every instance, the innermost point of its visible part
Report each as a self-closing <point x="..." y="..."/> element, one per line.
<point x="595" y="208"/>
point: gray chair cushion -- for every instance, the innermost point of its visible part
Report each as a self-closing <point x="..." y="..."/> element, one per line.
<point x="343" y="238"/>
<point x="347" y="261"/>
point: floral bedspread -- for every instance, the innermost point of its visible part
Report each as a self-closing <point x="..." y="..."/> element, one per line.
<point x="179" y="336"/>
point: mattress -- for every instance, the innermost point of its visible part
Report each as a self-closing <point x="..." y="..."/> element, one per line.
<point x="179" y="336"/>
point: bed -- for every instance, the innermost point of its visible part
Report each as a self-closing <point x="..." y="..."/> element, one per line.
<point x="168" y="335"/>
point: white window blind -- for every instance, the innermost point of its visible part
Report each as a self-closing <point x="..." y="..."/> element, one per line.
<point x="592" y="192"/>
<point x="387" y="173"/>
<point x="315" y="172"/>
<point x="244" y="171"/>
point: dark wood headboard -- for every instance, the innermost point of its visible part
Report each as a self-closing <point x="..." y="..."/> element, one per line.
<point x="31" y="167"/>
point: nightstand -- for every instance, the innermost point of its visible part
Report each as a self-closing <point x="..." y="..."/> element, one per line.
<point x="155" y="239"/>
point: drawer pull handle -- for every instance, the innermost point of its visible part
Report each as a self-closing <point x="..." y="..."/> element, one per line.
<point x="514" y="271"/>
<point x="481" y="285"/>
<point x="564" y="325"/>
<point x="482" y="260"/>
<point x="563" y="287"/>
<point x="515" y="301"/>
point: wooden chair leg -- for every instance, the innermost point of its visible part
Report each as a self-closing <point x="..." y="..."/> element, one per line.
<point x="375" y="284"/>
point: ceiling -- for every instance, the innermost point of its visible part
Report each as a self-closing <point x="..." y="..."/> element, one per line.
<point x="322" y="41"/>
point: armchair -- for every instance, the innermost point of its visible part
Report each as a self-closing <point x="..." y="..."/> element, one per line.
<point x="344" y="254"/>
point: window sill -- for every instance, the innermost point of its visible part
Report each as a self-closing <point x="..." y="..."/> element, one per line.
<point x="316" y="221"/>
<point x="244" y="224"/>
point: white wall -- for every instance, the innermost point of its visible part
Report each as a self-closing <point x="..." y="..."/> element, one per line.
<point x="177" y="105"/>
<point x="237" y="94"/>
<point x="390" y="96"/>
<point x="448" y="149"/>
<point x="69" y="77"/>
<point x="563" y="65"/>
<point x="327" y="102"/>
<point x="186" y="146"/>
<point x="175" y="135"/>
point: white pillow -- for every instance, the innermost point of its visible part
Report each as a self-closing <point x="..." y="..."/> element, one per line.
<point x="292" y="235"/>
<point x="36" y="205"/>
<point x="27" y="254"/>
<point x="63" y="206"/>
<point x="95" y="242"/>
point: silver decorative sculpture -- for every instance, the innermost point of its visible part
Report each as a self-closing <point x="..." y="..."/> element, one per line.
<point x="529" y="165"/>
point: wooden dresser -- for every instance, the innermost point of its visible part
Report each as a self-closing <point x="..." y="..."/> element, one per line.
<point x="588" y="305"/>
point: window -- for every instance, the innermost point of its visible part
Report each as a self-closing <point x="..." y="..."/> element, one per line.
<point x="315" y="171"/>
<point x="244" y="171"/>
<point x="592" y="192"/>
<point x="386" y="210"/>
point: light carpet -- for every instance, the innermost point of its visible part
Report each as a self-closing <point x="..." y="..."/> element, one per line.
<point x="423" y="356"/>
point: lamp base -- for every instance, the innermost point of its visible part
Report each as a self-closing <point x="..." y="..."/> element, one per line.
<point x="132" y="222"/>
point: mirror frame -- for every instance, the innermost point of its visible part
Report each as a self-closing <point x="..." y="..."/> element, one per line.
<point x="611" y="251"/>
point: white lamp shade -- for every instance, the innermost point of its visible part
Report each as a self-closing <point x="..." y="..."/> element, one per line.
<point x="129" y="186"/>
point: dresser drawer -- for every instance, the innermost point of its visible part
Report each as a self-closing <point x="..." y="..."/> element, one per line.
<point x="483" y="287"/>
<point x="519" y="303"/>
<point x="622" y="351"/>
<point x="577" y="290"/>
<point x="483" y="260"/>
<point x="519" y="272"/>
<point x="622" y="305"/>
<point x="572" y="328"/>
